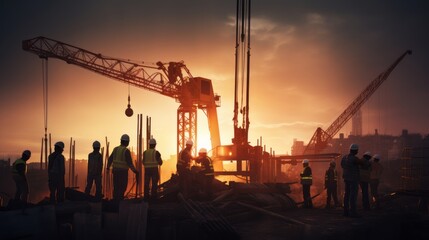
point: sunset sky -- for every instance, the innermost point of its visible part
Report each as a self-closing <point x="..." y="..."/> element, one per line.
<point x="309" y="60"/>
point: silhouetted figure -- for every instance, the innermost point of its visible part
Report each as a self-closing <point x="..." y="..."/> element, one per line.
<point x="364" y="177"/>
<point x="376" y="171"/>
<point x="306" y="181"/>
<point x="95" y="168"/>
<point x="206" y="174"/>
<point x="184" y="167"/>
<point x="350" y="164"/>
<point x="331" y="182"/>
<point x="19" y="170"/>
<point x="56" y="172"/>
<point x="121" y="160"/>
<point x="151" y="162"/>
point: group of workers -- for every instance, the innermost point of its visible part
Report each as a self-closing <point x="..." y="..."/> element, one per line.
<point x="120" y="161"/>
<point x="358" y="172"/>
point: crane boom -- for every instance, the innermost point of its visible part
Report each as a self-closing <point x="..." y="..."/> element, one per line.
<point x="320" y="138"/>
<point x="163" y="78"/>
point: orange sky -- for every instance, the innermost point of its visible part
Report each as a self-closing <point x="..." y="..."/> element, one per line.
<point x="307" y="65"/>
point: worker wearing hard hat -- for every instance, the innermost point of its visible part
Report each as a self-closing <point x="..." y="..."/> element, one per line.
<point x="151" y="162"/>
<point x="121" y="160"/>
<point x="350" y="164"/>
<point x="331" y="182"/>
<point x="19" y="170"/>
<point x="306" y="181"/>
<point x="56" y="173"/>
<point x="206" y="173"/>
<point x="95" y="168"/>
<point x="364" y="177"/>
<point x="376" y="171"/>
<point x="183" y="167"/>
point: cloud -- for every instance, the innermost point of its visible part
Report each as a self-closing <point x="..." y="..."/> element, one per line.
<point x="286" y="124"/>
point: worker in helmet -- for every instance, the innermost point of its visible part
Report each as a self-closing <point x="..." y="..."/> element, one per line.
<point x="95" y="168"/>
<point x="306" y="181"/>
<point x="364" y="177"/>
<point x="56" y="173"/>
<point x="331" y="182"/>
<point x="183" y="167"/>
<point x="19" y="170"/>
<point x="206" y="174"/>
<point x="376" y="171"/>
<point x="151" y="162"/>
<point x="121" y="160"/>
<point x="350" y="165"/>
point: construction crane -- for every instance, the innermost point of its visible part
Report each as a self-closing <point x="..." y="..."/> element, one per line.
<point x="320" y="138"/>
<point x="172" y="79"/>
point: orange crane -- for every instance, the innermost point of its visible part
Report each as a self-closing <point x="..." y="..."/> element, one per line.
<point x="320" y="138"/>
<point x="172" y="79"/>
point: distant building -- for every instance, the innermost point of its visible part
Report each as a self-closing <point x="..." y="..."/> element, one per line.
<point x="388" y="146"/>
<point x="357" y="124"/>
<point x="298" y="147"/>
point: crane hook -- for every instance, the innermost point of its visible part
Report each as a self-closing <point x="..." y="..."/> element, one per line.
<point x="129" y="112"/>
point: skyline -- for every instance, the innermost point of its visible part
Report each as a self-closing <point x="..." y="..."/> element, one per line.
<point x="308" y="63"/>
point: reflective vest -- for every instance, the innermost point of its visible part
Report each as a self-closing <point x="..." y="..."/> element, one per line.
<point x="18" y="161"/>
<point x="181" y="161"/>
<point x="149" y="157"/>
<point x="330" y="179"/>
<point x="207" y="166"/>
<point x="306" y="180"/>
<point x="119" y="158"/>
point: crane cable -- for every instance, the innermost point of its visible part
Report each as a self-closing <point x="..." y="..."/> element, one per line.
<point x="45" y="92"/>
<point x="45" y="108"/>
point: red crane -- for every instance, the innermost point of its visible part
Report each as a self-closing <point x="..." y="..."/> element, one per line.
<point x="171" y="79"/>
<point x="321" y="138"/>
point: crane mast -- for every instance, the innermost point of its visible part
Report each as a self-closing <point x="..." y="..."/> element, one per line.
<point x="172" y="79"/>
<point x="321" y="138"/>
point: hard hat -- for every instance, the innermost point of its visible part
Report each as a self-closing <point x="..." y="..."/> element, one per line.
<point x="367" y="154"/>
<point x="26" y="153"/>
<point x="376" y="156"/>
<point x="305" y="161"/>
<point x="60" y="145"/>
<point x="125" y="137"/>
<point x="189" y="142"/>
<point x="202" y="150"/>
<point x="152" y="141"/>
<point x="354" y="146"/>
<point x="96" y="144"/>
<point x="332" y="163"/>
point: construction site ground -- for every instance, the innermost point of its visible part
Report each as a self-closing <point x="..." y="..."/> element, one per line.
<point x="244" y="212"/>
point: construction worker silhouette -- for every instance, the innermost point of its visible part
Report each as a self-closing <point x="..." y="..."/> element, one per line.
<point x="151" y="161"/>
<point x="183" y="167"/>
<point x="331" y="181"/>
<point x="121" y="160"/>
<point x="376" y="171"/>
<point x="364" y="177"/>
<point x="206" y="174"/>
<point x="95" y="168"/>
<point x="19" y="170"/>
<point x="56" y="172"/>
<point x="350" y="164"/>
<point x="306" y="181"/>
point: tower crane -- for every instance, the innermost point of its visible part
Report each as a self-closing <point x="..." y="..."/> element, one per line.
<point x="172" y="79"/>
<point x="321" y="138"/>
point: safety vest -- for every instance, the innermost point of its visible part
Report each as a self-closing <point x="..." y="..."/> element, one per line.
<point x="334" y="178"/>
<point x="149" y="157"/>
<point x="306" y="180"/>
<point x="119" y="158"/>
<point x="18" y="161"/>
<point x="208" y="167"/>
<point x="182" y="162"/>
